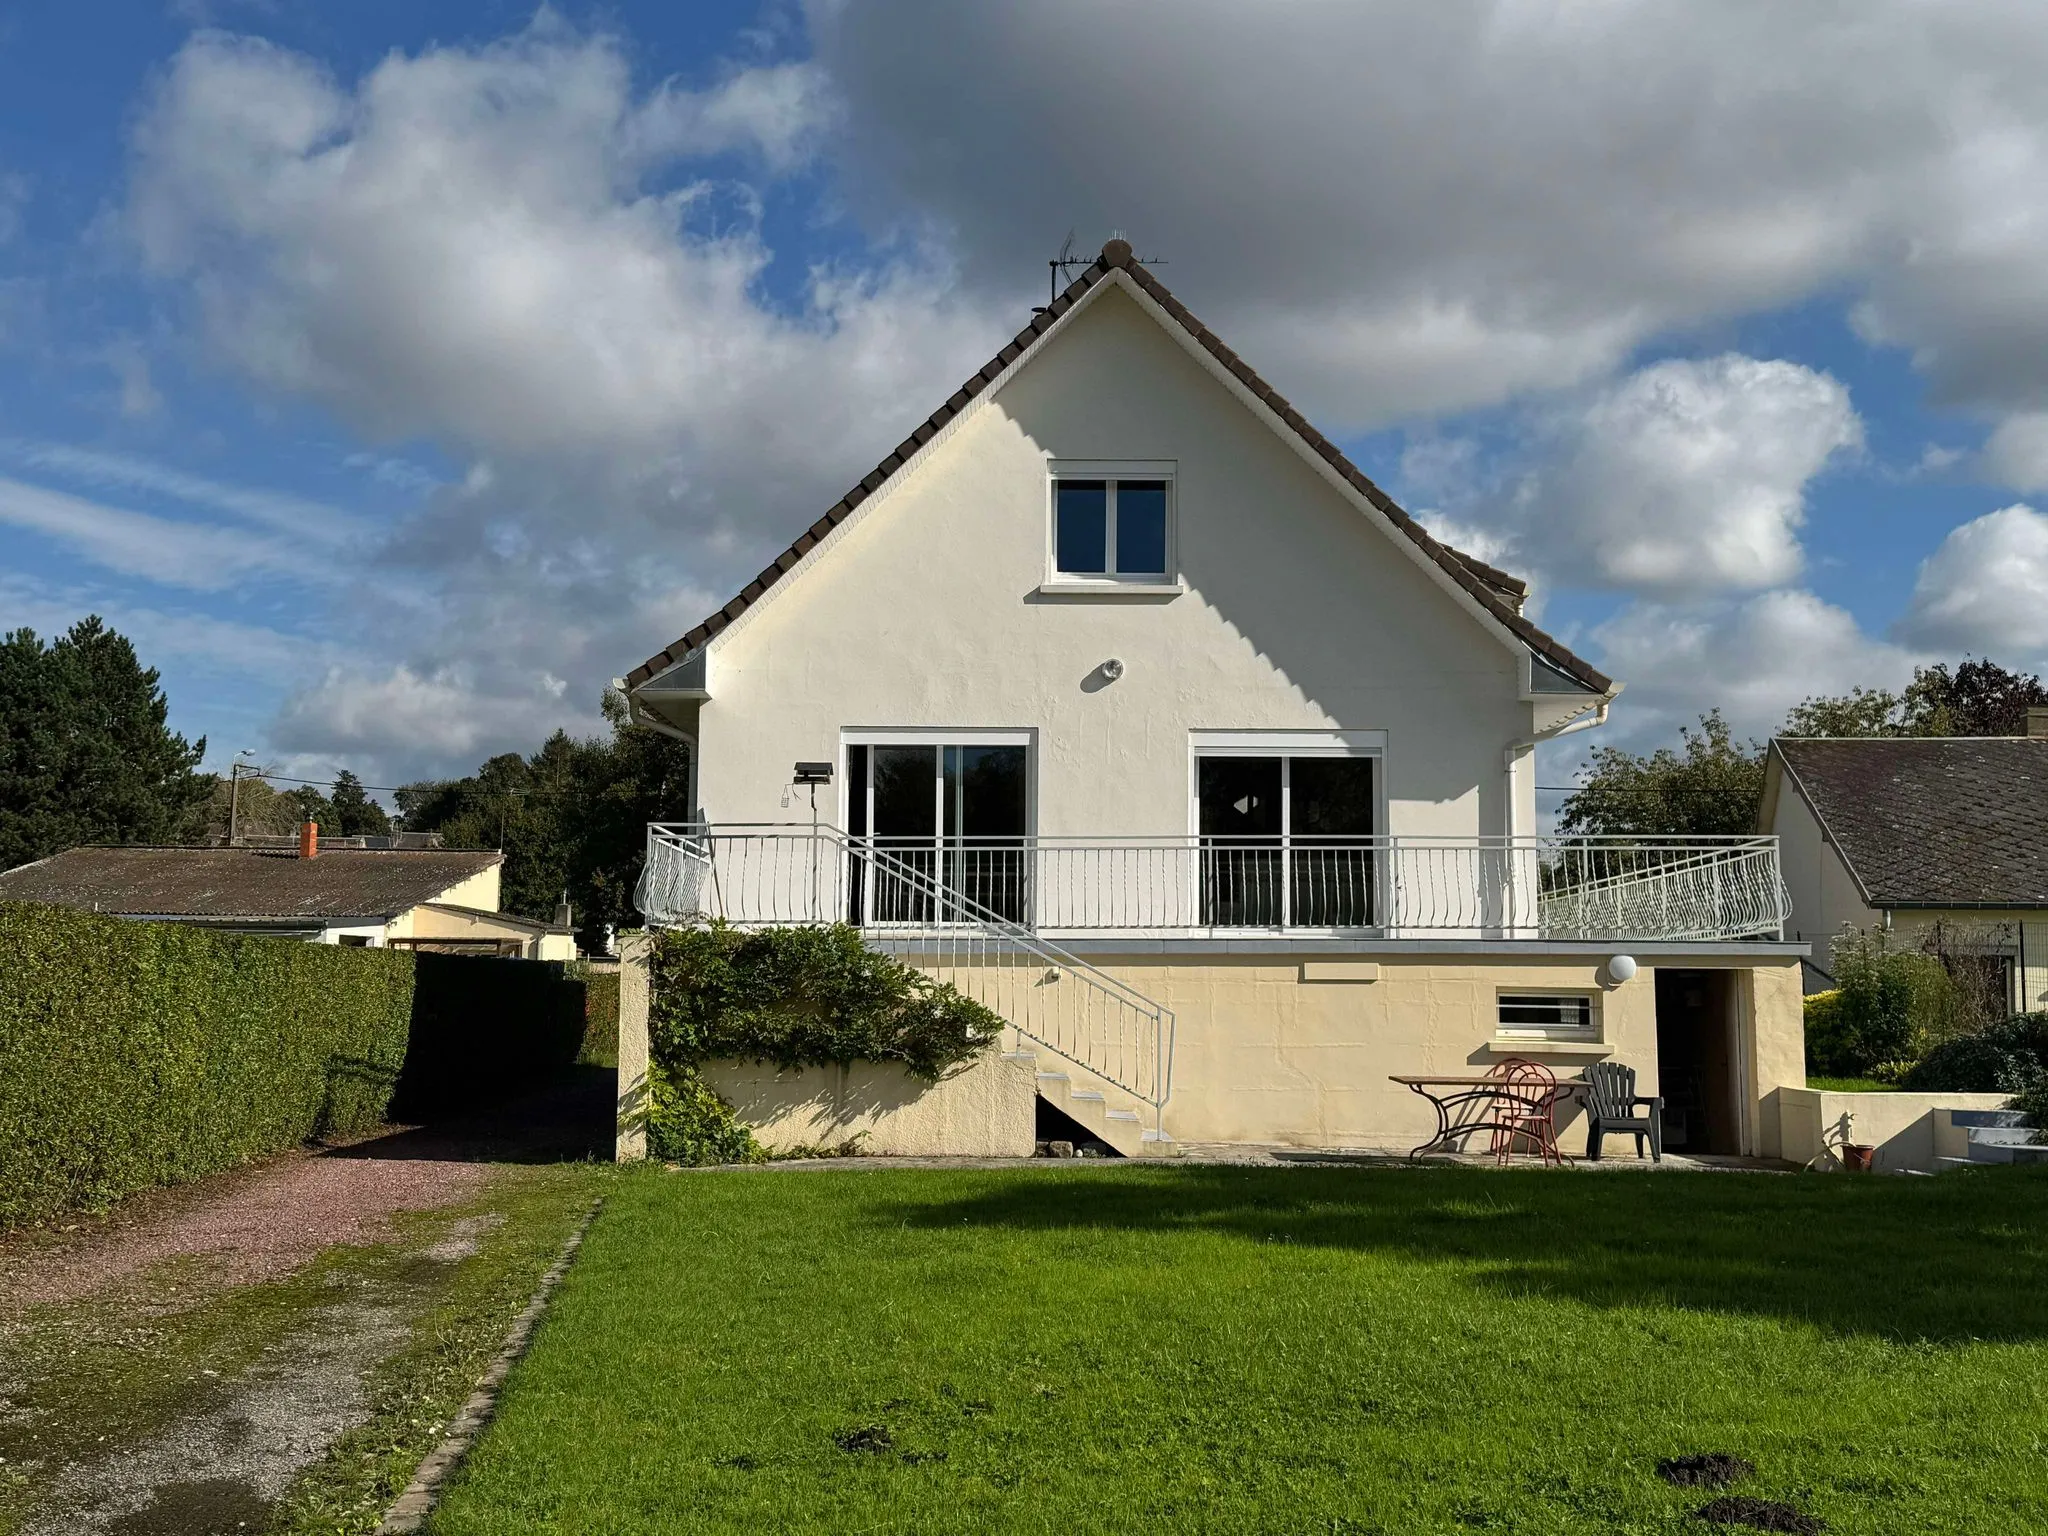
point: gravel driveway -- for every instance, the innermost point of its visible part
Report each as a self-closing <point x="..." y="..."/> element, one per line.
<point x="184" y="1364"/>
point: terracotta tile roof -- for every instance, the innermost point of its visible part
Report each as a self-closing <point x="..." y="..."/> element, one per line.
<point x="1500" y="593"/>
<point x="253" y="883"/>
<point x="1932" y="822"/>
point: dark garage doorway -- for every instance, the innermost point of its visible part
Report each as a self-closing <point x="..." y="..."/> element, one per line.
<point x="1697" y="1067"/>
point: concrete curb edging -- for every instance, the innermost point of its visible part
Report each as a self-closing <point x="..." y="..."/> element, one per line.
<point x="414" y="1505"/>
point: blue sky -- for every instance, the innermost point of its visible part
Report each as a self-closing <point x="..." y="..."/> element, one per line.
<point x="397" y="374"/>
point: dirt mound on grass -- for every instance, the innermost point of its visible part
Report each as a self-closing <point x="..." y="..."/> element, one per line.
<point x="1759" y="1515"/>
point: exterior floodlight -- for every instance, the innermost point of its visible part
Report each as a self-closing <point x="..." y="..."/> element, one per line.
<point x="813" y="773"/>
<point x="1112" y="669"/>
<point x="1621" y="968"/>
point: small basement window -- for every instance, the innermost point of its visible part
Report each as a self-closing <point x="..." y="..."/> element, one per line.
<point x="1548" y="1016"/>
<point x="1109" y="528"/>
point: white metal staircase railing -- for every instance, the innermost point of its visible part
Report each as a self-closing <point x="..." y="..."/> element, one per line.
<point x="763" y="876"/>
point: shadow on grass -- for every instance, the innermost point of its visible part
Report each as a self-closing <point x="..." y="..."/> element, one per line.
<point x="1949" y="1260"/>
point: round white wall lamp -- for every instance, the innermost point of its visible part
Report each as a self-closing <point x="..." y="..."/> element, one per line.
<point x="1112" y="669"/>
<point x="1621" y="968"/>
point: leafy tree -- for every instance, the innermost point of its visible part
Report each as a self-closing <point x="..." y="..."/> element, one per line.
<point x="355" y="813"/>
<point x="86" y="753"/>
<point x="572" y="817"/>
<point x="305" y="803"/>
<point x="1859" y="712"/>
<point x="1976" y="698"/>
<point x="1711" y="788"/>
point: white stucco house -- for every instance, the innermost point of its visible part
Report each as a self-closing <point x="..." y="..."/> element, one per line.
<point x="1120" y="696"/>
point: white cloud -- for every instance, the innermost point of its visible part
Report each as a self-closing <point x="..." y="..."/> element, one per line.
<point x="467" y="245"/>
<point x="198" y="556"/>
<point x="777" y="112"/>
<point x="165" y="637"/>
<point x="278" y="510"/>
<point x="505" y="251"/>
<point x="1755" y="658"/>
<point x="403" y="713"/>
<point x="1985" y="590"/>
<point x="1688" y="476"/>
<point x="2016" y="454"/>
<point x="1404" y="208"/>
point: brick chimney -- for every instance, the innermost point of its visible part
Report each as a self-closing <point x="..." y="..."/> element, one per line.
<point x="309" y="839"/>
<point x="2037" y="719"/>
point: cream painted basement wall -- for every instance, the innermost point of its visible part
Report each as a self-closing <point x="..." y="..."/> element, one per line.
<point x="1298" y="614"/>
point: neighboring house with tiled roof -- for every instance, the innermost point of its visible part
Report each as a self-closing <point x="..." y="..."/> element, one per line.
<point x="1905" y="832"/>
<point x="442" y="899"/>
<point x="1121" y="649"/>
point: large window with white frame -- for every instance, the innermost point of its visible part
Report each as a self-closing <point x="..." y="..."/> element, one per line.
<point x="947" y="815"/>
<point x="1112" y="523"/>
<point x="1286" y="825"/>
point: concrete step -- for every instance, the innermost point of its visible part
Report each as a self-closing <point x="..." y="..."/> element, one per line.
<point x="2001" y="1135"/>
<point x="1961" y="1118"/>
<point x="1102" y="1109"/>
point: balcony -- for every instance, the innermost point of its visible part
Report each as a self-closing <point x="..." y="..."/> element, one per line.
<point x="1583" y="889"/>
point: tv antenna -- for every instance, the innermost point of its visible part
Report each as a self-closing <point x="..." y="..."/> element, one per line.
<point x="1066" y="259"/>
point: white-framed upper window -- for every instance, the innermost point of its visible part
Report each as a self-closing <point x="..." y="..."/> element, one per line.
<point x="1548" y="1016"/>
<point x="1112" y="522"/>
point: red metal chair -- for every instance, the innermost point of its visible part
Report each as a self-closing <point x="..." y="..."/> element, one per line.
<point x="1528" y="1093"/>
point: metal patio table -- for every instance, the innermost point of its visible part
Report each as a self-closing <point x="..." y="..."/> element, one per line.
<point x="1469" y="1091"/>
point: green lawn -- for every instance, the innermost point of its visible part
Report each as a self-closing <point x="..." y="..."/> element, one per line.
<point x="1142" y="1348"/>
<point x="1850" y="1085"/>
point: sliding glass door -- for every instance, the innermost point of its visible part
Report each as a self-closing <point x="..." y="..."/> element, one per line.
<point x="1286" y="840"/>
<point x="942" y="818"/>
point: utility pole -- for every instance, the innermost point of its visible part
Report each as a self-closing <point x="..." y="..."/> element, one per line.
<point x="235" y="796"/>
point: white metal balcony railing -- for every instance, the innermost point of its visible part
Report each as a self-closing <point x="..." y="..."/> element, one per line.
<point x="775" y="875"/>
<point x="1563" y="888"/>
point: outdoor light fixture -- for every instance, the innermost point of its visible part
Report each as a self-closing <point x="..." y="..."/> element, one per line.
<point x="1621" y="968"/>
<point x="813" y="773"/>
<point x="1112" y="669"/>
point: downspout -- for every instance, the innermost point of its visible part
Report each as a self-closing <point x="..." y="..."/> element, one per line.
<point x="1524" y="744"/>
<point x="653" y="722"/>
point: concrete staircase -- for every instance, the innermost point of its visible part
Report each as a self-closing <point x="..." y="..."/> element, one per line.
<point x="1995" y="1136"/>
<point x="1118" y="1118"/>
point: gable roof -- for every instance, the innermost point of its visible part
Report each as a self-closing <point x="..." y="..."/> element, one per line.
<point x="1931" y="821"/>
<point x="256" y="883"/>
<point x="1495" y="590"/>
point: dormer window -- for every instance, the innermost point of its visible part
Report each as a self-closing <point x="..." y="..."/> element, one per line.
<point x="1112" y="525"/>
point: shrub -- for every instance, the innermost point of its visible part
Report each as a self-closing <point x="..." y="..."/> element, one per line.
<point x="2034" y="1105"/>
<point x="2010" y="1056"/>
<point x="140" y="1054"/>
<point x="689" y="1123"/>
<point x="797" y="997"/>
<point x="1890" y="1005"/>
<point x="809" y="996"/>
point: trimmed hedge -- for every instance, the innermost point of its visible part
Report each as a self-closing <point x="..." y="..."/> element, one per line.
<point x="797" y="997"/>
<point x="600" y="1015"/>
<point x="141" y="1054"/>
